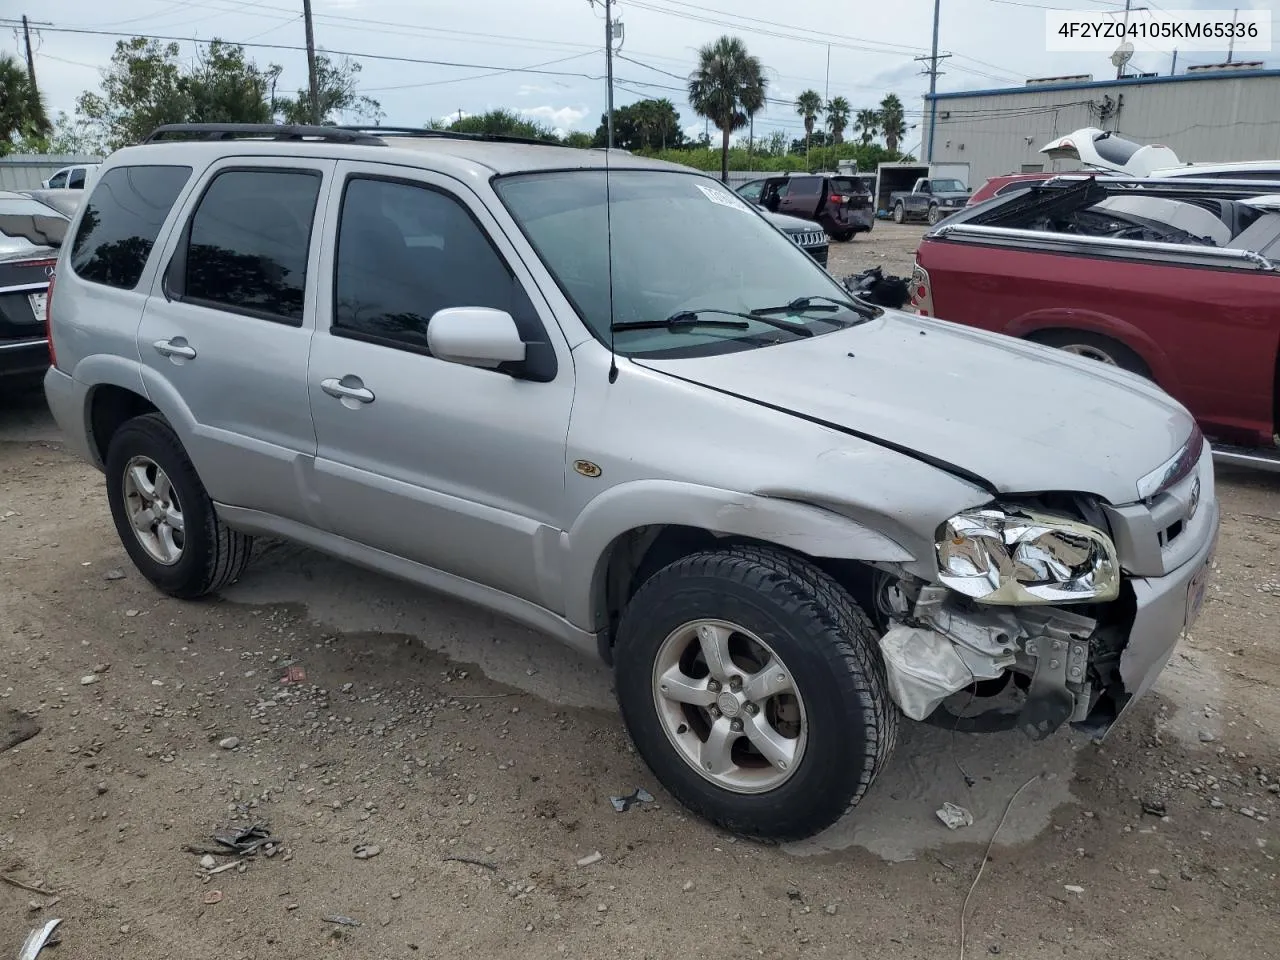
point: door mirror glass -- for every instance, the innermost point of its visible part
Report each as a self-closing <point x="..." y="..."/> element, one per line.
<point x="475" y="337"/>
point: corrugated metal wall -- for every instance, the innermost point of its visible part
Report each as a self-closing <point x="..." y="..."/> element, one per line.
<point x="1202" y="119"/>
<point x="25" y="171"/>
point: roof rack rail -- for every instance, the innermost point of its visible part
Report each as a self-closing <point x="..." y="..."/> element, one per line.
<point x="392" y="132"/>
<point x="261" y="131"/>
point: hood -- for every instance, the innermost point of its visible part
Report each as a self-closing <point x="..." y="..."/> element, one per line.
<point x="1103" y="150"/>
<point x="789" y="224"/>
<point x="1020" y="417"/>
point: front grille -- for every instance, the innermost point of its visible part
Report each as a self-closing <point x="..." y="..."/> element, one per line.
<point x="810" y="238"/>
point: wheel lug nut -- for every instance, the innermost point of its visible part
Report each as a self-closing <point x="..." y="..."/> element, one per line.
<point x="715" y="712"/>
<point x="752" y="709"/>
<point x="735" y="726"/>
<point x="735" y="683"/>
<point x="713" y="686"/>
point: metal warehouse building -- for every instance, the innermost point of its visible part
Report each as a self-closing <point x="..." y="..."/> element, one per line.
<point x="1213" y="113"/>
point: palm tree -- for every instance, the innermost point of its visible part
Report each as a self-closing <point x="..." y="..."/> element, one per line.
<point x="726" y="80"/>
<point x="892" y="122"/>
<point x="867" y="123"/>
<point x="838" y="111"/>
<point x="809" y="106"/>
<point x="22" y="112"/>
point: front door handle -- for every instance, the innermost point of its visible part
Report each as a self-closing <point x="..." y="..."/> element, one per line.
<point x="175" y="348"/>
<point x="348" y="388"/>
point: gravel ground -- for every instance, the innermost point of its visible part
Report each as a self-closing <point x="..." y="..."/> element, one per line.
<point x="443" y="778"/>
<point x="890" y="246"/>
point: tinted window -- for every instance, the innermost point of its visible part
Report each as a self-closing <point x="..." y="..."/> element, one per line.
<point x="1115" y="150"/>
<point x="751" y="191"/>
<point x="249" y="242"/>
<point x="848" y="185"/>
<point x="58" y="180"/>
<point x="121" y="222"/>
<point x="805" y="186"/>
<point x="406" y="251"/>
<point x="76" y="180"/>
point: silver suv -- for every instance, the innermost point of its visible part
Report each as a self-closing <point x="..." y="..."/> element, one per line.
<point x="519" y="374"/>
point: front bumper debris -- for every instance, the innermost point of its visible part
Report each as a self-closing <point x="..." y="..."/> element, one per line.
<point x="1074" y="668"/>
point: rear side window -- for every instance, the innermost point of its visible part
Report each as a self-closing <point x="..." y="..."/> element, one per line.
<point x="248" y="243"/>
<point x="805" y="187"/>
<point x="121" y="221"/>
<point x="76" y="180"/>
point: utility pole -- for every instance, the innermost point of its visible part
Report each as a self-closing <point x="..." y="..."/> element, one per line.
<point x="31" y="60"/>
<point x="608" y="69"/>
<point x="1128" y="4"/>
<point x="1173" y="67"/>
<point x="933" y="73"/>
<point x="826" y="90"/>
<point x="312" y="80"/>
<point x="1231" y="44"/>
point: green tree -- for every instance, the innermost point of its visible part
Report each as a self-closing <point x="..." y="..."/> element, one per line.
<point x="838" y="112"/>
<point x="726" y="79"/>
<point x="809" y="106"/>
<point x="867" y="123"/>
<point x="647" y="125"/>
<point x="337" y="92"/>
<point x="893" y="122"/>
<point x="22" y="112"/>
<point x="69" y="136"/>
<point x="500" y="123"/>
<point x="579" y="139"/>
<point x="146" y="84"/>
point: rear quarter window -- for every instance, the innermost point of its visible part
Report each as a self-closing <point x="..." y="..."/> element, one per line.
<point x="804" y="187"/>
<point x="121" y="221"/>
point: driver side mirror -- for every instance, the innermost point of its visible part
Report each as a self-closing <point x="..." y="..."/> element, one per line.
<point x="475" y="337"/>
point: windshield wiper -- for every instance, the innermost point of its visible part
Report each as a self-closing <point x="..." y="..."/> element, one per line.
<point x="684" y="319"/>
<point x="808" y="305"/>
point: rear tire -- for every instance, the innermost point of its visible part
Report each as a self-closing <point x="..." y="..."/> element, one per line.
<point x="781" y="621"/>
<point x="164" y="516"/>
<point x="842" y="236"/>
<point x="899" y="213"/>
<point x="1094" y="346"/>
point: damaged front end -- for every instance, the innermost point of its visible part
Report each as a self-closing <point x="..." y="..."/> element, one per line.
<point x="1000" y="614"/>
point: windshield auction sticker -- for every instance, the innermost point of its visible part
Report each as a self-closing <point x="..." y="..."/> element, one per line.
<point x="720" y="197"/>
<point x="1124" y="32"/>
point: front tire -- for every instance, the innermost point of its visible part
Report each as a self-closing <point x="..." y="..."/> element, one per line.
<point x="164" y="516"/>
<point x="751" y="684"/>
<point x="935" y="214"/>
<point x="899" y="213"/>
<point x="842" y="236"/>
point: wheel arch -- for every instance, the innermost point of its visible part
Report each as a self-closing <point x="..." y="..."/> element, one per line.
<point x="1069" y="319"/>
<point x="635" y="529"/>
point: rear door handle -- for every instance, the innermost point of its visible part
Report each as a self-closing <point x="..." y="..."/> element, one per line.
<point x="348" y="388"/>
<point x="175" y="347"/>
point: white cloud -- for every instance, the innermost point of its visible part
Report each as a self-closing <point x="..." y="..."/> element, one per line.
<point x="528" y="89"/>
<point x="560" y="119"/>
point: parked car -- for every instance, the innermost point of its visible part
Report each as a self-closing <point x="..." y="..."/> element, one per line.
<point x="66" y="202"/>
<point x="30" y="235"/>
<point x="841" y="203"/>
<point x="930" y="200"/>
<point x="513" y="373"/>
<point x="1174" y="280"/>
<point x="811" y="240"/>
<point x="78" y="176"/>
<point x="1268" y="170"/>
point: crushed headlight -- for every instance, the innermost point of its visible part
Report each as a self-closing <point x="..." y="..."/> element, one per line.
<point x="1023" y="557"/>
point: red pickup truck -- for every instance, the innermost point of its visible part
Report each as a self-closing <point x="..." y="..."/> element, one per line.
<point x="1178" y="282"/>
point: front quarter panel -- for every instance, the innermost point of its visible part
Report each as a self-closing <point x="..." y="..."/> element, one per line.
<point x="671" y="452"/>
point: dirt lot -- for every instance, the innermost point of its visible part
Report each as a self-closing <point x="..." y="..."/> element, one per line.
<point x="890" y="246"/>
<point x="427" y="731"/>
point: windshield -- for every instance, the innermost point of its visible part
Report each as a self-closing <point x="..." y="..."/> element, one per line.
<point x="946" y="185"/>
<point x="681" y="243"/>
<point x="27" y="224"/>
